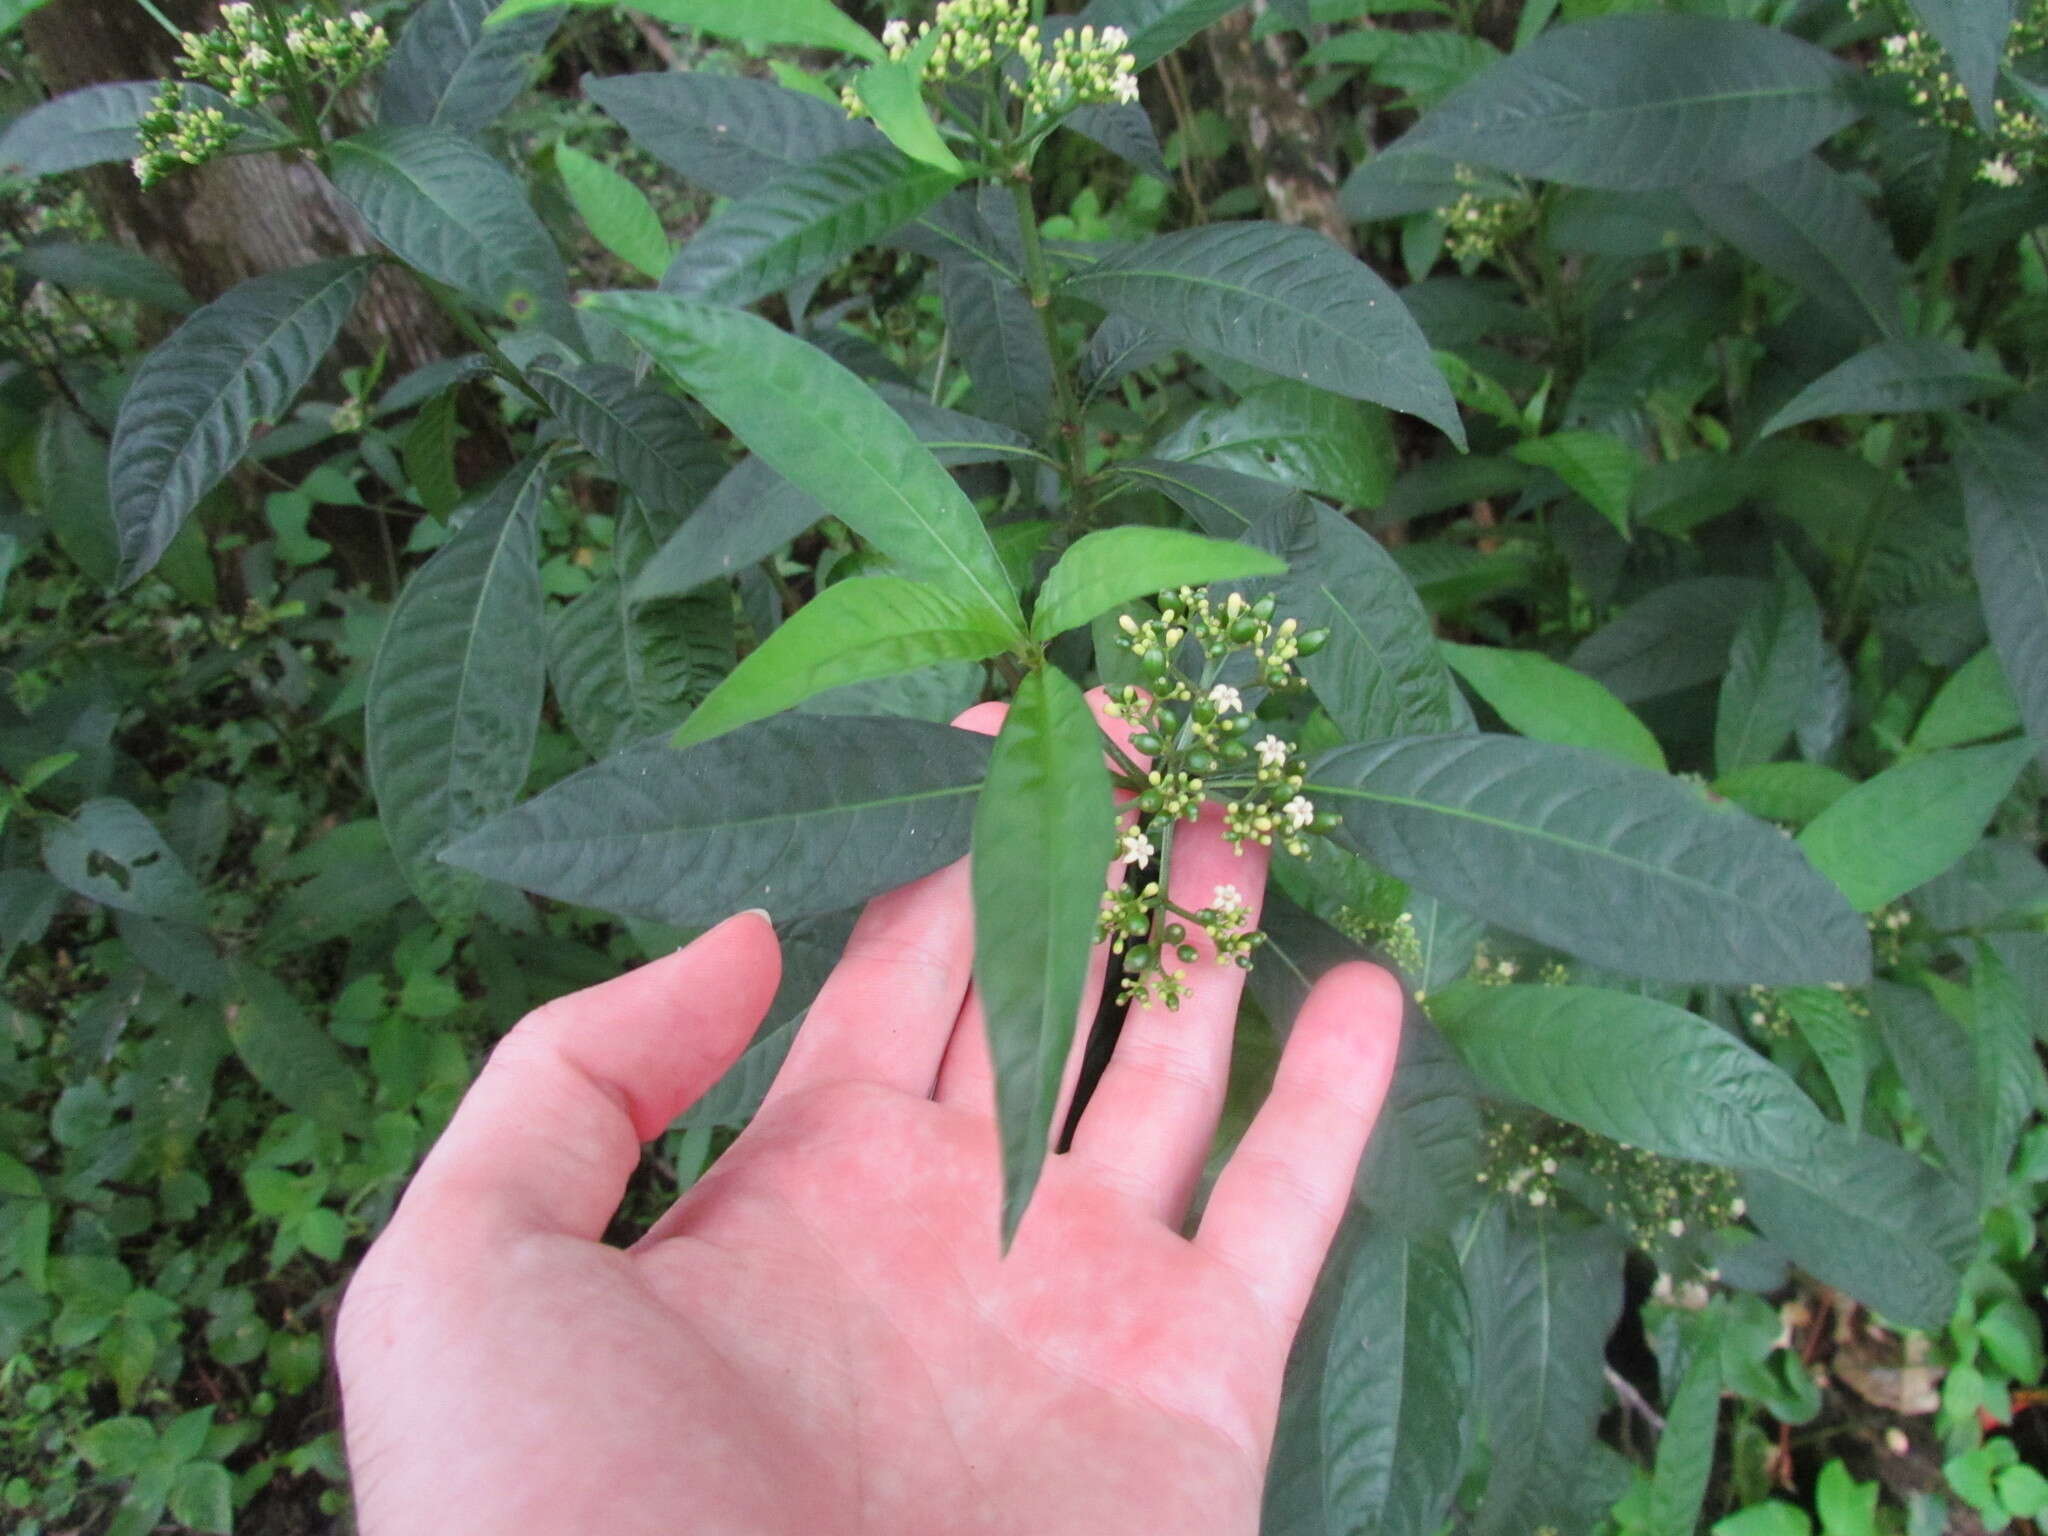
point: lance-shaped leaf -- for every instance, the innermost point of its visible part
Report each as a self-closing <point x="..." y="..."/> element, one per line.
<point x="1675" y="638"/>
<point x="1000" y="342"/>
<point x="1685" y="1449"/>
<point x="111" y="269"/>
<point x="1297" y="435"/>
<point x="198" y="397"/>
<point x="449" y="70"/>
<point x="800" y="815"/>
<point x="1774" y="666"/>
<point x="1974" y="33"/>
<point x="1598" y="465"/>
<point x="96" y="124"/>
<point x="824" y="431"/>
<point x="1974" y="704"/>
<point x="870" y="626"/>
<point x="619" y="215"/>
<point x="109" y="852"/>
<point x="1222" y="502"/>
<point x="455" y="691"/>
<point x="625" y="671"/>
<point x="641" y="433"/>
<point x="1632" y="1069"/>
<point x="1547" y="701"/>
<point x="445" y="206"/>
<point x="804" y="224"/>
<point x="2005" y="497"/>
<point x="1640" y="101"/>
<point x="1114" y="565"/>
<point x="1282" y="299"/>
<point x="727" y="133"/>
<point x="1397" y="1388"/>
<point x="1912" y="821"/>
<point x="1626" y="869"/>
<point x="763" y="23"/>
<point x="893" y="93"/>
<point x="1157" y="27"/>
<point x="1918" y="373"/>
<point x="1042" y="838"/>
<point x="290" y="1054"/>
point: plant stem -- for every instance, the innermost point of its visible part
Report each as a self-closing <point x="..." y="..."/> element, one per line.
<point x="1955" y="172"/>
<point x="296" y="90"/>
<point x="456" y="310"/>
<point x="1038" y="281"/>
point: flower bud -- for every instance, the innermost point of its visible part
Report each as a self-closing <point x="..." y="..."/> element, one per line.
<point x="1312" y="642"/>
<point x="1145" y="741"/>
<point x="1264" y="606"/>
<point x="1188" y="954"/>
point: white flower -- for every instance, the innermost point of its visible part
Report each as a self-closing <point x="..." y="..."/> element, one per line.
<point x="1272" y="752"/>
<point x="1136" y="848"/>
<point x="1299" y="811"/>
<point x="1225" y="698"/>
<point x="896" y="34"/>
<point x="1226" y="898"/>
<point x="1999" y="172"/>
<point x="1675" y="1227"/>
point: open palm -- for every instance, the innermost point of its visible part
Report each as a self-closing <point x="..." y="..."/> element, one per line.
<point x="822" y="1335"/>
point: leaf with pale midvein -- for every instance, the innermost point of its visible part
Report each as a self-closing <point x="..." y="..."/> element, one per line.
<point x="866" y="627"/>
<point x="1297" y="435"/>
<point x="617" y="212"/>
<point x="1685" y="1449"/>
<point x="729" y="134"/>
<point x="1156" y="27"/>
<point x="800" y="815"/>
<point x="1633" y="102"/>
<point x="763" y="23"/>
<point x="1042" y="839"/>
<point x="1774" y="666"/>
<point x="1632" y="1069"/>
<point x="455" y="691"/>
<point x="1282" y="299"/>
<point x="641" y="432"/>
<point x="824" y="431"/>
<point x="1113" y="565"/>
<point x="1626" y="869"/>
<point x="449" y="70"/>
<point x="1918" y="373"/>
<point x="198" y="397"/>
<point x="2005" y="498"/>
<point x="1548" y="701"/>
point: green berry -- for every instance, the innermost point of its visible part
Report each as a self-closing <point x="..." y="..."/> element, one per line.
<point x="1201" y="762"/>
<point x="1188" y="954"/>
<point x="1176" y="933"/>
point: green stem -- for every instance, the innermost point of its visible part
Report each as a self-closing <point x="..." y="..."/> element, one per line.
<point x="1038" y="282"/>
<point x="1866" y="536"/>
<point x="296" y="88"/>
<point x="466" y="322"/>
<point x="1941" y="244"/>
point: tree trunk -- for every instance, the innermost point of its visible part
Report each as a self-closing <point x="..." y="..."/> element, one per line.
<point x="1290" y="154"/>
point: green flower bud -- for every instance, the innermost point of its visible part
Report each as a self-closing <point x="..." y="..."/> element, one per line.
<point x="1201" y="762"/>
<point x="1153" y="663"/>
<point x="1150" y="802"/>
<point x="1145" y="742"/>
<point x="1312" y="642"/>
<point x="1264" y="606"/>
<point x="1245" y="630"/>
<point x="1188" y="954"/>
<point x="1176" y="933"/>
<point x="1138" y="957"/>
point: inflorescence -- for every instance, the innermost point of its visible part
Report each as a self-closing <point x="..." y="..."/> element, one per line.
<point x="1197" y="734"/>
<point x="2016" y="143"/>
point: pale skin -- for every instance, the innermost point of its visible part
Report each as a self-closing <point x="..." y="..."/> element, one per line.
<point x="823" y="1336"/>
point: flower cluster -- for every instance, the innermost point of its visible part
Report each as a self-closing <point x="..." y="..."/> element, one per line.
<point x="172" y="135"/>
<point x="1480" y="223"/>
<point x="2016" y="143"/>
<point x="1203" y="743"/>
<point x="1082" y="66"/>
<point x="249" y="62"/>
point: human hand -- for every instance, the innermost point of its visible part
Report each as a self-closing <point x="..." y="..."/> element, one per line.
<point x="822" y="1335"/>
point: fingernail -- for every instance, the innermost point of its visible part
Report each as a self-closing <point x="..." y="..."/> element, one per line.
<point x="760" y="912"/>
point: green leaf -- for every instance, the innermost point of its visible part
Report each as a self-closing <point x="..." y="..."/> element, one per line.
<point x="295" y="1060"/>
<point x="1837" y="1030"/>
<point x="450" y="71"/>
<point x="1974" y="33"/>
<point x="895" y="99"/>
<point x="1632" y="1069"/>
<point x="1223" y="503"/>
<point x="1397" y="1387"/>
<point x="14" y="12"/>
<point x="1282" y="299"/>
<point x="1685" y="1449"/>
<point x="71" y="476"/>
<point x="1043" y="831"/>
<point x="803" y="225"/>
<point x="1001" y="344"/>
<point x="1975" y="703"/>
<point x="1774" y="666"/>
<point x="1622" y="868"/>
<point x="616" y="211"/>
<point x="1297" y="435"/>
<point x="1790" y="792"/>
<point x="109" y="852"/>
<point x="1632" y="102"/>
<point x="1157" y="27"/>
<point x="1912" y="821"/>
<point x="2005" y="496"/>
<point x="203" y="1497"/>
<point x="1807" y="224"/>
<point x="96" y="124"/>
<point x="111" y="269"/>
<point x="825" y="432"/>
<point x="429" y="454"/>
<point x="801" y="815"/>
<point x="1380" y="673"/>
<point x="1773" y="1517"/>
<point x="1547" y="701"/>
<point x="118" y="1447"/>
<point x="1931" y="1051"/>
<point x="870" y="626"/>
<point x="1919" y="373"/>
<point x="1113" y="565"/>
<point x="640" y="432"/>
<point x="455" y="690"/>
<point x="199" y="396"/>
<point x="1675" y="638"/>
<point x="726" y="133"/>
<point x="1598" y="465"/>
<point x="2008" y="1073"/>
<point x="1873" y="1220"/>
<point x="443" y="205"/>
<point x="761" y="23"/>
<point x="623" y="672"/>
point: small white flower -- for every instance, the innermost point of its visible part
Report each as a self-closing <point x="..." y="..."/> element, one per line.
<point x="1272" y="752"/>
<point x="1299" y="811"/>
<point x="1675" y="1227"/>
<point x="1225" y="698"/>
<point x="1136" y="848"/>
<point x="896" y="34"/>
<point x="1999" y="172"/>
<point x="1226" y="898"/>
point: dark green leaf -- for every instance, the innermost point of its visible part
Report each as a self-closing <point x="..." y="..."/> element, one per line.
<point x="290" y="1055"/>
<point x="199" y="396"/>
<point x="618" y="213"/>
<point x="1042" y="840"/>
<point x="2005" y="494"/>
<point x="1632" y="102"/>
<point x="455" y="691"/>
<point x="1126" y="132"/>
<point x="752" y="513"/>
<point x="429" y="454"/>
<point x="1157" y="27"/>
<point x="71" y="474"/>
<point x="1297" y="435"/>
<point x="1675" y="638"/>
<point x="800" y="815"/>
<point x="641" y="433"/>
<point x="1807" y="224"/>
<point x="1001" y="343"/>
<point x="825" y="432"/>
<point x="451" y="71"/>
<point x="96" y="124"/>
<point x="1912" y="821"/>
<point x="1282" y="299"/>
<point x="2007" y="1070"/>
<point x="871" y="626"/>
<point x="28" y="900"/>
<point x="1920" y="373"/>
<point x="762" y="23"/>
<point x="1623" y="868"/>
<point x="1774" y="666"/>
<point x="803" y="225"/>
<point x="1547" y="701"/>
<point x="1836" y="1028"/>
<point x="1112" y="566"/>
<point x="178" y="952"/>
<point x="727" y="133"/>
<point x="1393" y="186"/>
<point x="1685" y="1449"/>
<point x="110" y="852"/>
<point x="624" y="672"/>
<point x="1974" y="32"/>
<point x="1222" y="502"/>
<point x="110" y="269"/>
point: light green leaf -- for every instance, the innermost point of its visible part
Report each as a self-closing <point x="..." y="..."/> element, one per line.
<point x="199" y="396"/>
<point x="1598" y="465"/>
<point x="109" y="852"/>
<point x="1773" y="668"/>
<point x="1297" y="435"/>
<point x="1975" y="703"/>
<point x="801" y="815"/>
<point x="1113" y="565"/>
<point x="825" y="432"/>
<point x="1633" y="102"/>
<point x="455" y="691"/>
<point x="14" y="12"/>
<point x="1043" y="834"/>
<point x="891" y="93"/>
<point x="1623" y="868"/>
<point x="203" y="1498"/>
<point x="866" y="627"/>
<point x="1548" y="701"/>
<point x="1790" y="792"/>
<point x="2005" y="497"/>
<point x="1912" y="821"/>
<point x="1282" y="299"/>
<point x="616" y="211"/>
<point x="1685" y="1449"/>
<point x="762" y="23"/>
<point x="451" y="71"/>
<point x="1919" y="373"/>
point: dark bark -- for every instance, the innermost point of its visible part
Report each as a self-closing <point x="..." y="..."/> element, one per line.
<point x="1284" y="139"/>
